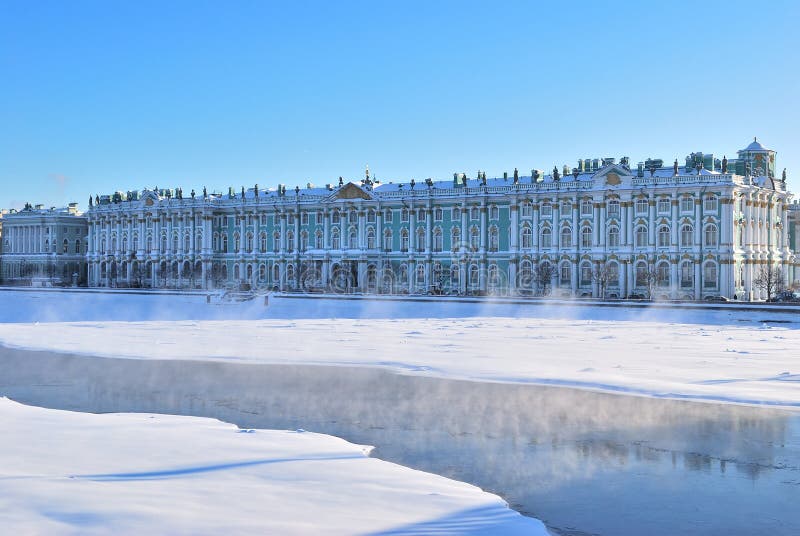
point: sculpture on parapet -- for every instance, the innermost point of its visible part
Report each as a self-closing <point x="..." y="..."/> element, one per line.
<point x="724" y="164"/>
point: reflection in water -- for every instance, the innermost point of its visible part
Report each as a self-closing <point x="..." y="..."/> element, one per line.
<point x="584" y="462"/>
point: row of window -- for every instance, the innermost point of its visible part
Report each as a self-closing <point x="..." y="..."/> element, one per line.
<point x="221" y="243"/>
<point x="586" y="273"/>
<point x="65" y="247"/>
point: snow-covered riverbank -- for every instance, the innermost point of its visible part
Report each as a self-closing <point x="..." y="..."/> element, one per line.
<point x="69" y="473"/>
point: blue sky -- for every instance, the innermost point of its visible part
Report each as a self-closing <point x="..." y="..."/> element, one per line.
<point x="104" y="96"/>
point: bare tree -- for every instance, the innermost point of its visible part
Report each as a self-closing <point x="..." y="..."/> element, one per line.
<point x="647" y="279"/>
<point x="770" y="279"/>
<point x="600" y="276"/>
<point x="544" y="277"/>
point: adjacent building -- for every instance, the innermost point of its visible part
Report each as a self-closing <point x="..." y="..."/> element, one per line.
<point x="690" y="230"/>
<point x="43" y="247"/>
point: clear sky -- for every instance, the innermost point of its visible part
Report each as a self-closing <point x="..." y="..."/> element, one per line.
<point x="103" y="96"/>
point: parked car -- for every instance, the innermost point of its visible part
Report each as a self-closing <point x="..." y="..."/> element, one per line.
<point x="716" y="299"/>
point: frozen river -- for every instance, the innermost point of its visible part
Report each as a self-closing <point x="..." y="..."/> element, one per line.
<point x="582" y="461"/>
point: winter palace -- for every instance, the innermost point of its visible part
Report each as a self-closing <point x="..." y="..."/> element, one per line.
<point x="677" y="230"/>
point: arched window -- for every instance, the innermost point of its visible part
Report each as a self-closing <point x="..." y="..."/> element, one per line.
<point x="198" y="242"/>
<point x="687" y="274"/>
<point x="641" y="236"/>
<point x="290" y="273"/>
<point x="474" y="238"/>
<point x="687" y="233"/>
<point x="527" y="237"/>
<point x="494" y="275"/>
<point x="387" y="240"/>
<point x="420" y="239"/>
<point x="250" y="242"/>
<point x="437" y="240"/>
<point x="404" y="215"/>
<point x="335" y="217"/>
<point x="586" y="237"/>
<point x="352" y="242"/>
<point x="353" y="216"/>
<point x="303" y="240"/>
<point x="290" y="241"/>
<point x="276" y="242"/>
<point x="662" y="274"/>
<point x="77" y="246"/>
<point x="546" y="238"/>
<point x="335" y="238"/>
<point x="525" y="274"/>
<point x="455" y="275"/>
<point x="276" y="273"/>
<point x="641" y="272"/>
<point x="612" y="270"/>
<point x="566" y="237"/>
<point x="437" y="214"/>
<point x="175" y="243"/>
<point x="663" y="236"/>
<point x="163" y="244"/>
<point x="494" y="239"/>
<point x="711" y="235"/>
<point x="565" y="273"/>
<point x="65" y="246"/>
<point x="586" y="274"/>
<point x="262" y="242"/>
<point x="237" y="242"/>
<point x="370" y="216"/>
<point x="404" y="240"/>
<point x="455" y="238"/>
<point x="474" y="275"/>
<point x="124" y="244"/>
<point x="318" y="239"/>
<point x="710" y="274"/>
<point x="613" y="237"/>
<point x="420" y="273"/>
<point x="187" y="241"/>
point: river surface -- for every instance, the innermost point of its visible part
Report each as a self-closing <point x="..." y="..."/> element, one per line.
<point x="584" y="462"/>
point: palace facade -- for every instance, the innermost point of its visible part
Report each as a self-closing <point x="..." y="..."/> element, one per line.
<point x="43" y="247"/>
<point x="701" y="228"/>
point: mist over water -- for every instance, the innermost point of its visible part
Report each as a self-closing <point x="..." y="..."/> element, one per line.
<point x="584" y="462"/>
<point x="79" y="306"/>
